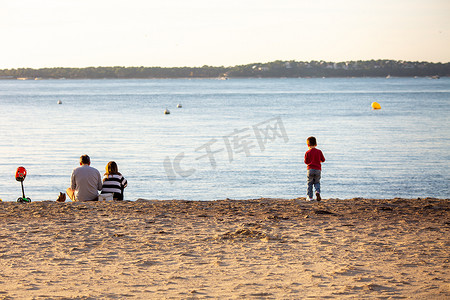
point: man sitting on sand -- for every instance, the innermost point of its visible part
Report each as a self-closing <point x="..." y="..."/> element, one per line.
<point x="85" y="182"/>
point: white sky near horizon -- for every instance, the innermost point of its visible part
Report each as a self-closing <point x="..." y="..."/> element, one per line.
<point x="169" y="33"/>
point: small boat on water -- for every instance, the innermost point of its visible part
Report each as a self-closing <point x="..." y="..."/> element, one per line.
<point x="167" y="112"/>
<point x="179" y="105"/>
<point x="59" y="102"/>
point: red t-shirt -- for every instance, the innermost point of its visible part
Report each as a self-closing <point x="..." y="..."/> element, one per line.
<point x="313" y="158"/>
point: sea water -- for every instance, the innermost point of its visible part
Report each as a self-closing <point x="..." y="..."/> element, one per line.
<point x="236" y="138"/>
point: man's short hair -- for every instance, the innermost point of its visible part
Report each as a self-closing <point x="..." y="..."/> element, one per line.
<point x="85" y="159"/>
<point x="311" y="141"/>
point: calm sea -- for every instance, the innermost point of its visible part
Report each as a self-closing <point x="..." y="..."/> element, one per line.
<point x="237" y="138"/>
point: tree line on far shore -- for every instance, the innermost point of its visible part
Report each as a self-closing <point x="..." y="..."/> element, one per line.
<point x="275" y="69"/>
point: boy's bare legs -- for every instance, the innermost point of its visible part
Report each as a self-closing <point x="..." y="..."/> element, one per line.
<point x="71" y="194"/>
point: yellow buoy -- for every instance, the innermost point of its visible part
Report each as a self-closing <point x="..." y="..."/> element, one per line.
<point x="376" y="105"/>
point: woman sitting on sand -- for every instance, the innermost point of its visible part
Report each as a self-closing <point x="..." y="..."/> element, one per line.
<point x="113" y="181"/>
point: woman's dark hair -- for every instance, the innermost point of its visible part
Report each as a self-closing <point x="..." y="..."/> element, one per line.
<point x="111" y="168"/>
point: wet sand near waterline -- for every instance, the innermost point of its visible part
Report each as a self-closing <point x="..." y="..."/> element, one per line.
<point x="226" y="249"/>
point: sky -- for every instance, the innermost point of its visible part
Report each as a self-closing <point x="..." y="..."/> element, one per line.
<point x="175" y="33"/>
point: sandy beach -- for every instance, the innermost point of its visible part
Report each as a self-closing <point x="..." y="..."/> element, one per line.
<point x="226" y="249"/>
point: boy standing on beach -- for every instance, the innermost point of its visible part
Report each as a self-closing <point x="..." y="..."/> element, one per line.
<point x="313" y="159"/>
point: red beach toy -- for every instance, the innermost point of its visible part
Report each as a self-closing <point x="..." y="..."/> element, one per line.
<point x="21" y="173"/>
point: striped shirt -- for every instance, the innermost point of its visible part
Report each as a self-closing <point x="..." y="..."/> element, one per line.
<point x="114" y="184"/>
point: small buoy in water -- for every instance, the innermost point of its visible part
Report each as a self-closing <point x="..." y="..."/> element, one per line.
<point x="167" y="112"/>
<point x="59" y="102"/>
<point x="376" y="105"/>
<point x="179" y="105"/>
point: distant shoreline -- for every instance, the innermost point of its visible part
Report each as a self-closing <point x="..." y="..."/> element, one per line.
<point x="275" y="69"/>
<point x="216" y="78"/>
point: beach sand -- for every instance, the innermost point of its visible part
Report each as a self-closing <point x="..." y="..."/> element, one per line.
<point x="226" y="249"/>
